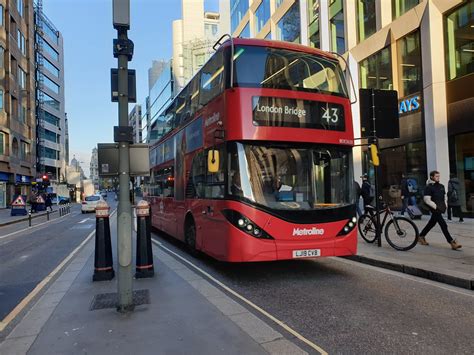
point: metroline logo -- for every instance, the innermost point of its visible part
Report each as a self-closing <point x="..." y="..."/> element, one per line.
<point x="305" y="231"/>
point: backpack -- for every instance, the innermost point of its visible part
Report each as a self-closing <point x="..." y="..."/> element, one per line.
<point x="453" y="194"/>
<point x="412" y="186"/>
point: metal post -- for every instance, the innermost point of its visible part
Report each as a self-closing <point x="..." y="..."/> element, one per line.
<point x="378" y="234"/>
<point x="124" y="219"/>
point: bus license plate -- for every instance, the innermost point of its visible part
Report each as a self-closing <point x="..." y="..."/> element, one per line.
<point x="308" y="253"/>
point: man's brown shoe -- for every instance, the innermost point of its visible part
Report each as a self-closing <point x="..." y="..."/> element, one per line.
<point x="422" y="241"/>
<point x="455" y="245"/>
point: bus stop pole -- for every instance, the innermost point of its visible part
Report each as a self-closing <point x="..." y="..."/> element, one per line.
<point x="124" y="217"/>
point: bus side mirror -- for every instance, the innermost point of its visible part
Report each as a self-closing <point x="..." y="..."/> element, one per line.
<point x="374" y="155"/>
<point x="213" y="161"/>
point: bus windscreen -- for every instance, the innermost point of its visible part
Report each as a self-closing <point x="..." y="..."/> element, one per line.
<point x="273" y="68"/>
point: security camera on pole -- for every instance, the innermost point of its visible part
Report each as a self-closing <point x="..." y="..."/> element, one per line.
<point x="123" y="50"/>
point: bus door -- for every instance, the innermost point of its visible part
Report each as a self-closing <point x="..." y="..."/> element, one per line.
<point x="215" y="240"/>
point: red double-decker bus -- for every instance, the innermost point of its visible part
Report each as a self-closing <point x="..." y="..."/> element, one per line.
<point x="255" y="161"/>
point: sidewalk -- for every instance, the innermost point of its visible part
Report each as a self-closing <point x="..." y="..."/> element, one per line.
<point x="185" y="314"/>
<point x="435" y="262"/>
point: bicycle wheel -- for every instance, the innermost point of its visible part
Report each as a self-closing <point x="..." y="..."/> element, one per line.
<point x="366" y="227"/>
<point x="401" y="233"/>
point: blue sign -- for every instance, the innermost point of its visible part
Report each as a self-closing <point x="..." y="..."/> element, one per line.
<point x="194" y="135"/>
<point x="409" y="105"/>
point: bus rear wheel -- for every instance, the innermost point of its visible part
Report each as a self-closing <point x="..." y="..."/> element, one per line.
<point x="190" y="237"/>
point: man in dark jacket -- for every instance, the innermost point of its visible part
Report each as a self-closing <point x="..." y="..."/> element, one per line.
<point x="357" y="194"/>
<point x="454" y="203"/>
<point x="366" y="190"/>
<point x="434" y="198"/>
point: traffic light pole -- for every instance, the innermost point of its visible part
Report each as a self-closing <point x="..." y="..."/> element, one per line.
<point x="378" y="233"/>
<point x="124" y="219"/>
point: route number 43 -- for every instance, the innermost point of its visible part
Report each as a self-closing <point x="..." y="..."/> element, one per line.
<point x="331" y="115"/>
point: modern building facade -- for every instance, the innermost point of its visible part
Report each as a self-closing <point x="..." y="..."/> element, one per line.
<point x="50" y="104"/>
<point x="135" y="121"/>
<point x="424" y="49"/>
<point x="154" y="71"/>
<point x="17" y="99"/>
<point x="94" y="167"/>
<point x="193" y="38"/>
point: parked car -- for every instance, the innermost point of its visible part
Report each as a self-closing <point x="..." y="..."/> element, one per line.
<point x="59" y="200"/>
<point x="90" y="202"/>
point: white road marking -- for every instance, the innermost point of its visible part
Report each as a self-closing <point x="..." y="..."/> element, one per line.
<point x="84" y="220"/>
<point x="25" y="301"/>
<point x="248" y="302"/>
<point x="33" y="226"/>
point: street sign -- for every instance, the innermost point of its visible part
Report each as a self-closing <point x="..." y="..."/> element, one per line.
<point x="18" y="207"/>
<point x="132" y="87"/>
<point x="121" y="14"/>
<point x="108" y="159"/>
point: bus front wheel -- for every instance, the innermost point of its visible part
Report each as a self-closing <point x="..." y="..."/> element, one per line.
<point x="190" y="237"/>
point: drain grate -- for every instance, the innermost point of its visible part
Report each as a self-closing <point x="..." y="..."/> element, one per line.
<point x="110" y="300"/>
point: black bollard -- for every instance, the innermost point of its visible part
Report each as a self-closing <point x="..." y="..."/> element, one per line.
<point x="144" y="252"/>
<point x="103" y="263"/>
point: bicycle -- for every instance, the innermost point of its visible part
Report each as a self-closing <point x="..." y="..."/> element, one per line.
<point x="400" y="232"/>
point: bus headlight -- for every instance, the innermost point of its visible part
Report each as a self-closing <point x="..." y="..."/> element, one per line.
<point x="349" y="226"/>
<point x="245" y="224"/>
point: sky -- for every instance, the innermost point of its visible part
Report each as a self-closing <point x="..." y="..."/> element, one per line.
<point x="86" y="26"/>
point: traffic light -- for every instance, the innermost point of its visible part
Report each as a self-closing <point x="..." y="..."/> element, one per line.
<point x="45" y="180"/>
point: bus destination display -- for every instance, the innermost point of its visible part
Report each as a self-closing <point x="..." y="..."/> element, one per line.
<point x="286" y="112"/>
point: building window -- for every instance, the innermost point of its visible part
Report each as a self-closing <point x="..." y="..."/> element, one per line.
<point x="245" y="32"/>
<point x="48" y="100"/>
<point x="21" y="42"/>
<point x="336" y="24"/>
<point x="52" y="34"/>
<point x="50" y="118"/>
<point x="460" y="41"/>
<point x="278" y="3"/>
<point x="50" y="50"/>
<point x="51" y="85"/>
<point x="2" y="22"/>
<point x="50" y="67"/>
<point x="409" y="64"/>
<point x="288" y="28"/>
<point x="366" y="23"/>
<point x="2" y="57"/>
<point x="262" y="15"/>
<point x="24" y="150"/>
<point x="51" y="153"/>
<point x="22" y="109"/>
<point x="376" y="71"/>
<point x="19" y="7"/>
<point x="238" y="8"/>
<point x="21" y="78"/>
<point x="313" y="17"/>
<point x="399" y="7"/>
<point x="2" y="143"/>
<point x="200" y="58"/>
<point x="15" y="147"/>
<point x="1" y="99"/>
<point x="50" y="136"/>
<point x="210" y="29"/>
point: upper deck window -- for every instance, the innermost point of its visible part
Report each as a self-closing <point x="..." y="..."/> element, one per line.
<point x="272" y="68"/>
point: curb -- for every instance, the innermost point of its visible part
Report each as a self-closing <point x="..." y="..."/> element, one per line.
<point x="415" y="271"/>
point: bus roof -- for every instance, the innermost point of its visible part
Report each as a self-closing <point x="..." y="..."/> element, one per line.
<point x="279" y="44"/>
